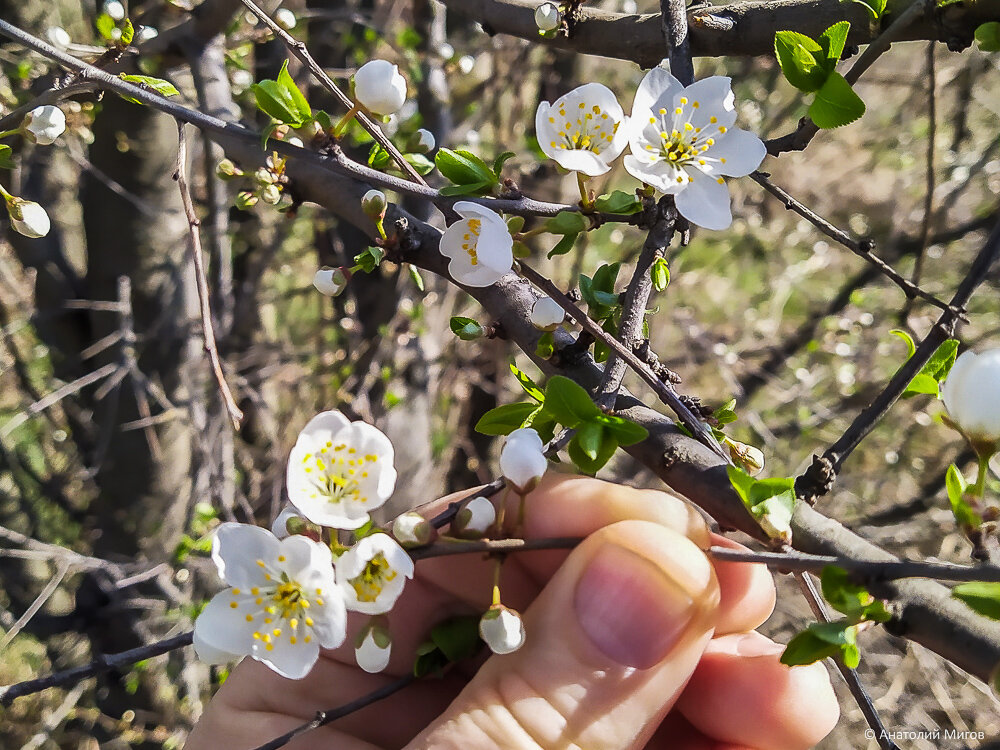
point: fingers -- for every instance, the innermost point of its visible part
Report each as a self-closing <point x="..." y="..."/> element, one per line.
<point x="748" y="593"/>
<point x="612" y="640"/>
<point x="741" y="694"/>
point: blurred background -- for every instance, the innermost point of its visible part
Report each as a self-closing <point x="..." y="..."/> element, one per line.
<point x="117" y="457"/>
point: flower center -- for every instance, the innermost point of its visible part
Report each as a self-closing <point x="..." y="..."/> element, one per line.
<point x="336" y="472"/>
<point x="681" y="143"/>
<point x="278" y="608"/>
<point x="592" y="130"/>
<point x="369" y="584"/>
<point x="470" y="240"/>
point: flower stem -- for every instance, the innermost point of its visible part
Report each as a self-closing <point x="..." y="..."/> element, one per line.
<point x="381" y="228"/>
<point x="338" y="129"/>
<point x="979" y="488"/>
<point x="496" y="580"/>
<point x="585" y="201"/>
<point x="6" y="133"/>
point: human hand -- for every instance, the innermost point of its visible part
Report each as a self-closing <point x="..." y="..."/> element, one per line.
<point x="634" y="640"/>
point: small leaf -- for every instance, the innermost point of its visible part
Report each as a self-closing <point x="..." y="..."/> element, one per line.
<point x="833" y="41"/>
<point x="505" y="419"/>
<point x="568" y="402"/>
<point x="464" y="168"/>
<point x="282" y="99"/>
<point x="563" y="246"/>
<point x="618" y="202"/>
<point x="821" y="640"/>
<point x="965" y="514"/>
<point x="875" y="7"/>
<point x="6" y="156"/>
<point x="591" y="465"/>
<point x="415" y="276"/>
<point x="420" y="163"/>
<point x="369" y="259"/>
<point x="988" y="36"/>
<point x="567" y="222"/>
<point x="659" y="274"/>
<point x="527" y="384"/>
<point x="981" y="597"/>
<point x="849" y="598"/>
<point x="466" y="329"/>
<point x="105" y="25"/>
<point x="836" y="104"/>
<point x="922" y="384"/>
<point x="160" y="86"/>
<point x="515" y="224"/>
<point x="626" y="432"/>
<point x="128" y="33"/>
<point x="589" y="437"/>
<point x="911" y="348"/>
<point x="800" y="58"/>
<point x="546" y="345"/>
<point x="500" y="160"/>
<point x="741" y="481"/>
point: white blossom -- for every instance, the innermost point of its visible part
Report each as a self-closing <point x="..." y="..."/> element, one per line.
<point x="58" y="37"/>
<point x="379" y="87"/>
<point x="115" y="9"/>
<point x="44" y="124"/>
<point x="479" y="245"/>
<point x="285" y="19"/>
<point x="475" y="519"/>
<point x="546" y="314"/>
<point x="373" y="653"/>
<point x="748" y="457"/>
<point x="280" y="526"/>
<point x="971" y="395"/>
<point x="503" y="629"/>
<point x="146" y="33"/>
<point x="372" y="574"/>
<point x="683" y="143"/>
<point x="466" y="63"/>
<point x="584" y="130"/>
<point x="28" y="218"/>
<point x="340" y="470"/>
<point x="423" y="141"/>
<point x="412" y="530"/>
<point x="330" y="281"/>
<point x="283" y="606"/>
<point x="547" y="16"/>
<point x="522" y="461"/>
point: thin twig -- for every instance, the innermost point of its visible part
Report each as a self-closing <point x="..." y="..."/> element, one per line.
<point x="925" y="222"/>
<point x="235" y="414"/>
<point x="45" y="594"/>
<point x="300" y="51"/>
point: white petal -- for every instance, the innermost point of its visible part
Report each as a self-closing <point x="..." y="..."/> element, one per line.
<point x="742" y="150"/>
<point x="660" y="174"/>
<point x="236" y="549"/>
<point x="715" y="98"/>
<point x="980" y="412"/>
<point x="280" y="526"/>
<point x="521" y="459"/>
<point x="581" y="160"/>
<point x="656" y="90"/>
<point x="545" y="131"/>
<point x="211" y="655"/>
<point x="503" y="630"/>
<point x="473" y="210"/>
<point x="370" y="656"/>
<point x="330" y="617"/>
<point x="954" y="390"/>
<point x="705" y="202"/>
<point x="222" y="628"/>
<point x="293" y="661"/>
<point x="301" y="554"/>
<point x="324" y="426"/>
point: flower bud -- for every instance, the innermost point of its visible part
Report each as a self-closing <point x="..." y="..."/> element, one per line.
<point x="287" y="523"/>
<point x="246" y="200"/>
<point x="374" y="647"/>
<point x="285" y="19"/>
<point x="422" y="141"/>
<point x="466" y="63"/>
<point x="373" y="203"/>
<point x="502" y="629"/>
<point x="146" y="33"/>
<point x="747" y="457"/>
<point x="412" y="530"/>
<point x="522" y="461"/>
<point x="293" y="140"/>
<point x="475" y="519"/>
<point x="58" y="37"/>
<point x="28" y="218"/>
<point x="115" y="9"/>
<point x="227" y="169"/>
<point x="546" y="314"/>
<point x="44" y="124"/>
<point x="547" y="17"/>
<point x="264" y="176"/>
<point x="971" y="395"/>
<point x="330" y="281"/>
<point x="271" y="194"/>
<point x="379" y="88"/>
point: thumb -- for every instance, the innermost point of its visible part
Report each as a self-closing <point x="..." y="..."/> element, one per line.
<point x="611" y="642"/>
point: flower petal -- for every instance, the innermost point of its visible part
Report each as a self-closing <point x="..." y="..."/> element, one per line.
<point x="581" y="160"/>
<point x="293" y="661"/>
<point x="211" y="655"/>
<point x="370" y="656"/>
<point x="236" y="549"/>
<point x="705" y="202"/>
<point x="658" y="85"/>
<point x="301" y="555"/>
<point x="742" y="150"/>
<point x="715" y="98"/>
<point x="324" y="426"/>
<point x="221" y="628"/>
<point x="660" y="174"/>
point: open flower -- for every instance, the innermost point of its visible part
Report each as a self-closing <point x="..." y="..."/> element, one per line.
<point x="27" y="217"/>
<point x="44" y="124"/>
<point x="379" y="87"/>
<point x="479" y="245"/>
<point x="522" y="461"/>
<point x="683" y="143"/>
<point x="340" y="470"/>
<point x="503" y="629"/>
<point x="584" y="130"/>
<point x="971" y="395"/>
<point x="372" y="574"/>
<point x="283" y="606"/>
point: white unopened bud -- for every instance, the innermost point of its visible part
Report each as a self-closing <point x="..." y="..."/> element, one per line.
<point x="330" y="281"/>
<point x="379" y="87"/>
<point x="285" y="19"/>
<point x="264" y="176"/>
<point x="28" y="218"/>
<point x="412" y="530"/>
<point x="293" y="140"/>
<point x="747" y="457"/>
<point x="146" y="33"/>
<point x="971" y="395"/>
<point x="546" y="314"/>
<point x="422" y="141"/>
<point x="466" y="63"/>
<point x="373" y="203"/>
<point x="44" y="124"/>
<point x="374" y="647"/>
<point x="115" y="9"/>
<point x="58" y="37"/>
<point x="271" y="194"/>
<point x="547" y="17"/>
<point x="227" y="169"/>
<point x="522" y="461"/>
<point x="502" y="629"/>
<point x="281" y="527"/>
<point x="475" y="519"/>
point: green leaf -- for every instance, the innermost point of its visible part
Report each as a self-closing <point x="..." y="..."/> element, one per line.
<point x="941" y="362"/>
<point x="458" y="637"/>
<point x="567" y="222"/>
<point x="801" y="60"/>
<point x="546" y="345"/>
<point x="128" y="33"/>
<point x="527" y="384"/>
<point x="849" y="598"/>
<point x="282" y="99"/>
<point x="836" y="104"/>
<point x="515" y="224"/>
<point x="6" y="156"/>
<point x="420" y="163"/>
<point x="408" y="38"/>
<point x="605" y="450"/>
<point x="415" y="277"/>
<point x="474" y="188"/>
<point x="464" y="168"/>
<point x="922" y="384"/>
<point x="988" y="36"/>
<point x="563" y="246"/>
<point x="764" y="489"/>
<point x="505" y="419"/>
<point x="618" y="202"/>
<point x="500" y="161"/>
<point x="964" y="512"/>
<point x="821" y="640"/>
<point x="589" y="438"/>
<point x="659" y="274"/>
<point x="569" y="402"/>
<point x="466" y="329"/>
<point x="369" y="258"/>
<point x="105" y="25"/>
<point x="833" y="41"/>
<point x="911" y="348"/>
<point x="981" y="597"/>
<point x="875" y="7"/>
<point x="160" y="86"/>
<point x="626" y="432"/>
<point x="599" y="292"/>
<point x="741" y="481"/>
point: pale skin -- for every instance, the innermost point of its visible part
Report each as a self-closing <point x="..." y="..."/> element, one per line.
<point x="635" y="640"/>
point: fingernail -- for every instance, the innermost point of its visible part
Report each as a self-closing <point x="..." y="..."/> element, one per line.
<point x="755" y="644"/>
<point x="631" y="610"/>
